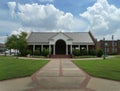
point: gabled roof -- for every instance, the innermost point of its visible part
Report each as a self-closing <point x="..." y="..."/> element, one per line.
<point x="77" y="37"/>
<point x="59" y="33"/>
<point x="81" y="37"/>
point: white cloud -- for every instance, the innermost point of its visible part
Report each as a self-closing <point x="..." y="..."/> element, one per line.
<point x="17" y="32"/>
<point x="3" y="39"/>
<point x="103" y="18"/>
<point x="12" y="6"/>
<point x="46" y="17"/>
<point x="8" y="26"/>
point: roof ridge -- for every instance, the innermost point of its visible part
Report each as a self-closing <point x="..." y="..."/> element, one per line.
<point x="61" y="32"/>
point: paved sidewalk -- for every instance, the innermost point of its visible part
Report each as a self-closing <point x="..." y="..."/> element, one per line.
<point x="59" y="75"/>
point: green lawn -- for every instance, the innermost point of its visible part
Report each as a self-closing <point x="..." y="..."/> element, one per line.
<point x="109" y="68"/>
<point x="15" y="68"/>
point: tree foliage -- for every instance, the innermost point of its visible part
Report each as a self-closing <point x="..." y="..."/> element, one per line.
<point x="83" y="52"/>
<point x="37" y="52"/>
<point x="99" y="52"/>
<point x="45" y="52"/>
<point x="76" y="52"/>
<point x="17" y="42"/>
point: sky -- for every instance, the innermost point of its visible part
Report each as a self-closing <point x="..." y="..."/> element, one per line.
<point x="101" y="17"/>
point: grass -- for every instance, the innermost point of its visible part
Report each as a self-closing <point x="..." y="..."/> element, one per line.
<point x="108" y="68"/>
<point x="85" y="56"/>
<point x="15" y="68"/>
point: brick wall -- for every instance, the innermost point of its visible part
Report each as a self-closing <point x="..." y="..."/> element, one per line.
<point x="113" y="47"/>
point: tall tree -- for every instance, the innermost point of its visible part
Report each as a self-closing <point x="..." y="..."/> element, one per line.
<point x="17" y="42"/>
<point x="22" y="43"/>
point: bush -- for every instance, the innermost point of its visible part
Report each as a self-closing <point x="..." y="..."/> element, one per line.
<point x="37" y="52"/>
<point x="45" y="52"/>
<point x="99" y="53"/>
<point x="29" y="52"/>
<point x="92" y="52"/>
<point x="83" y="52"/>
<point x="76" y="52"/>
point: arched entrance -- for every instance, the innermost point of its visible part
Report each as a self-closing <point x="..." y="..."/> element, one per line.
<point x="60" y="47"/>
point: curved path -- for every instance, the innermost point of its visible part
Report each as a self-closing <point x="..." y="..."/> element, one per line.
<point x="59" y="75"/>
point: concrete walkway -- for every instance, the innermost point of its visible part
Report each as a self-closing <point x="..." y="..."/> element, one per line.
<point x="59" y="75"/>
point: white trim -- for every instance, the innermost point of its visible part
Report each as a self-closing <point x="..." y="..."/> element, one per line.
<point x="66" y="49"/>
<point x="49" y="49"/>
<point x="38" y="43"/>
<point x="53" y="49"/>
<point x="33" y="48"/>
<point x="28" y="35"/>
<point x="61" y="36"/>
<point x="71" y="49"/>
<point x="87" y="47"/>
<point x="79" y="47"/>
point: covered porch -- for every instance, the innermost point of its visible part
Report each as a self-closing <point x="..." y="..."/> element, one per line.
<point x="60" y="49"/>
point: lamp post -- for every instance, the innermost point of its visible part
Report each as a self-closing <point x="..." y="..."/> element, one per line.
<point x="113" y="51"/>
<point x="105" y="48"/>
<point x="104" y="56"/>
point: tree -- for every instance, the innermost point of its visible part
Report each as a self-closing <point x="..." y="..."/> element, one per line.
<point x="11" y="42"/>
<point x="22" y="44"/>
<point x="17" y="42"/>
<point x="99" y="52"/>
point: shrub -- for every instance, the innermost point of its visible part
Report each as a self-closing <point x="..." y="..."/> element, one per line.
<point x="92" y="52"/>
<point x="37" y="52"/>
<point x="76" y="52"/>
<point x="45" y="52"/>
<point x="29" y="52"/>
<point x="83" y="52"/>
<point x="99" y="53"/>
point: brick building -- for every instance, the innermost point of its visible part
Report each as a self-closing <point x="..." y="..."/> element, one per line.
<point x="112" y="47"/>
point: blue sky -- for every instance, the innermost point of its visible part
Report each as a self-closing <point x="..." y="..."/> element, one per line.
<point x="99" y="16"/>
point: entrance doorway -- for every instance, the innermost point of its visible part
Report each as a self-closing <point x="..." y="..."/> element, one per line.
<point x="60" y="47"/>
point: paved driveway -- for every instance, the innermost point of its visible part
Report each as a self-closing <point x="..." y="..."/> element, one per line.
<point x="59" y="75"/>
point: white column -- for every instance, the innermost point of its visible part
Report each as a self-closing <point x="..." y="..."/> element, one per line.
<point x="66" y="49"/>
<point x="87" y="47"/>
<point x="71" y="49"/>
<point x="79" y="47"/>
<point x="49" y="49"/>
<point x="33" y="48"/>
<point x="53" y="49"/>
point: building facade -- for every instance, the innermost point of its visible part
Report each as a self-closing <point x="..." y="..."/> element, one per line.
<point x="112" y="46"/>
<point x="61" y="42"/>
